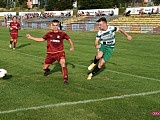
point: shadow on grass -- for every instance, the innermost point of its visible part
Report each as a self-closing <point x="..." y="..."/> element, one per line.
<point x="57" y="67"/>
<point x="91" y="61"/>
<point x="7" y="77"/>
<point x="102" y="69"/>
<point x="23" y="45"/>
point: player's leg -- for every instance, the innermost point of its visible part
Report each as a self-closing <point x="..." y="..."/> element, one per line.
<point x="96" y="59"/>
<point x="46" y="69"/>
<point x="107" y="54"/>
<point x="62" y="62"/>
<point x="96" y="69"/>
<point x="15" y="40"/>
<point x="64" y="70"/>
<point x="11" y="41"/>
<point x="48" y="61"/>
<point x="15" y="43"/>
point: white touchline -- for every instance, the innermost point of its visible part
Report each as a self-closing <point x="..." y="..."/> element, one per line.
<point x="79" y="102"/>
<point x="142" y="77"/>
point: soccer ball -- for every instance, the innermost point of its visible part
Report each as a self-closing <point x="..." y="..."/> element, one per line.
<point x="3" y="73"/>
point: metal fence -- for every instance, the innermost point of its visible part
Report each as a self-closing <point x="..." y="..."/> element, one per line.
<point x="88" y="26"/>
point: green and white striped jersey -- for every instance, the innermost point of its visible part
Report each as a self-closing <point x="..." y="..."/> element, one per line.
<point x="107" y="37"/>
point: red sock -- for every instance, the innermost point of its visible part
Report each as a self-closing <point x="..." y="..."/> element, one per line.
<point x="15" y="44"/>
<point x="65" y="73"/>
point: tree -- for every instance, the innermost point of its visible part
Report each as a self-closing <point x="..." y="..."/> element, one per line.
<point x="95" y="4"/>
<point x="156" y="2"/>
<point x="21" y="1"/>
<point x="59" y="4"/>
<point x="3" y="3"/>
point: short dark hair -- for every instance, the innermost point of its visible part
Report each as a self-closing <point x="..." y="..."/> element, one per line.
<point x="102" y="19"/>
<point x="56" y="21"/>
<point x="14" y="17"/>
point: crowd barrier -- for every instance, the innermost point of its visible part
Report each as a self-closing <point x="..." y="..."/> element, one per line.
<point x="90" y="26"/>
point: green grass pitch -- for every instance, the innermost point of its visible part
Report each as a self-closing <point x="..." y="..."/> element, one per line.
<point x="127" y="87"/>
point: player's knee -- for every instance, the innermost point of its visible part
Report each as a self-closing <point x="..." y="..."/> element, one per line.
<point x="99" y="55"/>
<point x="101" y="63"/>
<point x="62" y="63"/>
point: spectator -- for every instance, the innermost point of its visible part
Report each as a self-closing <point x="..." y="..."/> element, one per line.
<point x="87" y="14"/>
<point x="128" y="13"/>
<point x="62" y="14"/>
<point x="29" y="4"/>
<point x="152" y="11"/>
<point x="60" y="25"/>
<point x="157" y="11"/>
<point x="112" y="13"/>
<point x="141" y="12"/>
<point x="103" y="13"/>
<point x="115" y="6"/>
<point x="97" y="14"/>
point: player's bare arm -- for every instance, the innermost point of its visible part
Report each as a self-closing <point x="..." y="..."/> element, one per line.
<point x="128" y="36"/>
<point x="71" y="45"/>
<point x="96" y="44"/>
<point x="10" y="28"/>
<point x="19" y="28"/>
<point x="34" y="38"/>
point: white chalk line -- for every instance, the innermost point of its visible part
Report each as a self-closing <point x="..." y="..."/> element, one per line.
<point x="127" y="74"/>
<point x="78" y="102"/>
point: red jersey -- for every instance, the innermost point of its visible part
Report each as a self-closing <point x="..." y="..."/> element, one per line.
<point x="14" y="25"/>
<point x="55" y="41"/>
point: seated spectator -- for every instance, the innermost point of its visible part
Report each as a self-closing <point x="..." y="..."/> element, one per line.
<point x="68" y="14"/>
<point x="78" y="14"/>
<point x="103" y="13"/>
<point x="112" y="13"/>
<point x="82" y="13"/>
<point x="152" y="11"/>
<point x="87" y="14"/>
<point x="97" y="14"/>
<point x="128" y="13"/>
<point x="62" y="14"/>
<point x="157" y="11"/>
<point x="141" y="12"/>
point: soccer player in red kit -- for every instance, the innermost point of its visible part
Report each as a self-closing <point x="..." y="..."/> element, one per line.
<point x="55" y="52"/>
<point x="14" y="27"/>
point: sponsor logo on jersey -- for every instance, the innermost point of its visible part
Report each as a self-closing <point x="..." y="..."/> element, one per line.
<point x="57" y="41"/>
<point x="107" y="36"/>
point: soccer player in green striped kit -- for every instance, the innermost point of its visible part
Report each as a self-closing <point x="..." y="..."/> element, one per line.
<point x="106" y="38"/>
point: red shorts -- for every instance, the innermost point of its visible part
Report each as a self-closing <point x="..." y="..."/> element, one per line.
<point x="14" y="36"/>
<point x="50" y="58"/>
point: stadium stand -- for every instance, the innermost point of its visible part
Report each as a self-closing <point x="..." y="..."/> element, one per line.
<point x="136" y="21"/>
<point x="153" y="20"/>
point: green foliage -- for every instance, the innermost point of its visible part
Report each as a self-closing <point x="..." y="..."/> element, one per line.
<point x="156" y="2"/>
<point x="17" y="3"/>
<point x="100" y="4"/>
<point x="3" y="3"/>
<point x="95" y="4"/>
<point x="21" y="1"/>
<point x="59" y="5"/>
